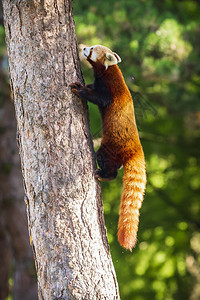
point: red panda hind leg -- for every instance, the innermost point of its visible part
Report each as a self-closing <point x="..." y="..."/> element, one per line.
<point x="108" y="165"/>
<point x="102" y="176"/>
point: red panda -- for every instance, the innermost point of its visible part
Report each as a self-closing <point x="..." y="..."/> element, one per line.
<point x="120" y="142"/>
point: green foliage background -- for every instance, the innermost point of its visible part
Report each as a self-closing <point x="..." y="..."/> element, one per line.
<point x="159" y="43"/>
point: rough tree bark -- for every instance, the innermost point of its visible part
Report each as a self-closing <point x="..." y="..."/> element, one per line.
<point x="64" y="207"/>
<point x="15" y="249"/>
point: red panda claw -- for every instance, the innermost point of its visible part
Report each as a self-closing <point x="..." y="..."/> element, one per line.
<point x="75" y="85"/>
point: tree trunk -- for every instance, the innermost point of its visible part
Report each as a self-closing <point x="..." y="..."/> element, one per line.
<point x="64" y="207"/>
<point x="15" y="249"/>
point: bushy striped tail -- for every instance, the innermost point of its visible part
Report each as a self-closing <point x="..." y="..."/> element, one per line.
<point x="134" y="183"/>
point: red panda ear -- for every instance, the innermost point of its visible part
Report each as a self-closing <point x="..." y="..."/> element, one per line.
<point x="112" y="59"/>
<point x="117" y="56"/>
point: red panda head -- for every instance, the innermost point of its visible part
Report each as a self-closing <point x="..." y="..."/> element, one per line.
<point x="101" y="55"/>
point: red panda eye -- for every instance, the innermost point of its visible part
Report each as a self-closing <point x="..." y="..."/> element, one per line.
<point x="91" y="48"/>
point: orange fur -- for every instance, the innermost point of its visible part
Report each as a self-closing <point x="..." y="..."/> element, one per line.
<point x="120" y="142"/>
<point x="120" y="135"/>
<point x="134" y="182"/>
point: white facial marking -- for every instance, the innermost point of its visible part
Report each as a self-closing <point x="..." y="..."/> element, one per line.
<point x="94" y="55"/>
<point x="86" y="52"/>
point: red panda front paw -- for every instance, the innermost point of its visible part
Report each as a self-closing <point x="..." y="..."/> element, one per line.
<point x="76" y="87"/>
